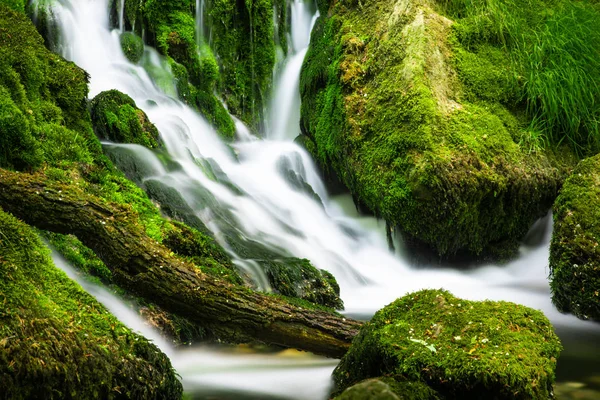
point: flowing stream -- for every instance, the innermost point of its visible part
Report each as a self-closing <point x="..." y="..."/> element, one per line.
<point x="244" y="191"/>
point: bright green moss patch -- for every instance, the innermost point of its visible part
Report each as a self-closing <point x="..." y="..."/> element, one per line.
<point x="427" y="132"/>
<point x="43" y="109"/>
<point x="58" y="342"/>
<point x="549" y="62"/>
<point x="116" y="117"/>
<point x="133" y="46"/>
<point x="574" y="250"/>
<point x="461" y="349"/>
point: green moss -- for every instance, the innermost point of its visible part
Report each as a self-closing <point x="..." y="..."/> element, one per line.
<point x="298" y="278"/>
<point x="116" y="117"/>
<point x="58" y="341"/>
<point x="574" y="250"/>
<point x="43" y="109"/>
<point x="79" y="256"/>
<point x="451" y="163"/>
<point x="242" y="37"/>
<point x="461" y="349"/>
<point x="388" y="389"/>
<point x="133" y="46"/>
<point x="202" y="251"/>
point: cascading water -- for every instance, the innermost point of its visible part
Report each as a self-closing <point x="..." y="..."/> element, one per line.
<point x="284" y="113"/>
<point x="249" y="197"/>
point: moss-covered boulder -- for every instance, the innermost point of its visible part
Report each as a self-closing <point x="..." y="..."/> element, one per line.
<point x="116" y="117"/>
<point x="43" y="108"/>
<point x="293" y="277"/>
<point x="574" y="250"/>
<point x="461" y="349"/>
<point x="58" y="341"/>
<point x="388" y="389"/>
<point x="133" y="46"/>
<point x="420" y="112"/>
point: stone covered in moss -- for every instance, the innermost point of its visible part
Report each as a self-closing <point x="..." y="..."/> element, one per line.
<point x="424" y="129"/>
<point x="574" y="250"/>
<point x="133" y="46"/>
<point x="294" y="277"/>
<point x="43" y="108"/>
<point x="116" y="117"/>
<point x="461" y="349"/>
<point x="388" y="389"/>
<point x="58" y="342"/>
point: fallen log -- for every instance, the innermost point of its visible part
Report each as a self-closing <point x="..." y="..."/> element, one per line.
<point x="149" y="270"/>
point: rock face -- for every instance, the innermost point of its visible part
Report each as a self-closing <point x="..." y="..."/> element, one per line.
<point x="574" y="250"/>
<point x="58" y="341"/>
<point x="116" y="117"/>
<point x="420" y="118"/>
<point x="461" y="349"/>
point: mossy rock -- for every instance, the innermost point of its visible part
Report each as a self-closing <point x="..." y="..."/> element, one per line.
<point x="58" y="341"/>
<point x="461" y="349"/>
<point x="574" y="250"/>
<point x="425" y="131"/>
<point x="116" y="117"/>
<point x="133" y="46"/>
<point x="388" y="389"/>
<point x="43" y="107"/>
<point x="293" y="277"/>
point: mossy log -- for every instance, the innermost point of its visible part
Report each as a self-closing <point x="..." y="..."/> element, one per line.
<point x="149" y="270"/>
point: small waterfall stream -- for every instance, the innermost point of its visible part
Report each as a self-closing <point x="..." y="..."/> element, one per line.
<point x="253" y="199"/>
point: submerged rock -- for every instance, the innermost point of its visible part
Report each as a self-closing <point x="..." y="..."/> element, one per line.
<point x="58" y="341"/>
<point x="116" y="117"/>
<point x="461" y="349"/>
<point x="574" y="250"/>
<point x="420" y="118"/>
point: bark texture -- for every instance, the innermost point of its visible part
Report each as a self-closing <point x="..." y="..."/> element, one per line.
<point x="149" y="270"/>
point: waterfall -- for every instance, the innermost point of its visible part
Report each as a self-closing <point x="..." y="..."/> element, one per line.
<point x="121" y="16"/>
<point x="284" y="111"/>
<point x="246" y="195"/>
<point x="199" y="22"/>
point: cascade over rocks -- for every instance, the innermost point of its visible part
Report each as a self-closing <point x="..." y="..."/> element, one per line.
<point x="419" y="118"/>
<point x="574" y="250"/>
<point x="461" y="349"/>
<point x="149" y="270"/>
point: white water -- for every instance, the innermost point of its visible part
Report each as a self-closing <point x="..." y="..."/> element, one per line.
<point x="284" y="113"/>
<point x="199" y="21"/>
<point x="271" y="211"/>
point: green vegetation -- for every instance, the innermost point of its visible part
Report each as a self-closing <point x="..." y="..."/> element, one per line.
<point x="242" y="40"/>
<point x="116" y="117"/>
<point x="574" y="250"/>
<point x="461" y="349"/>
<point x="455" y="162"/>
<point x="43" y="110"/>
<point x="133" y="46"/>
<point x="551" y="50"/>
<point x="293" y="277"/>
<point x="388" y="389"/>
<point x="58" y="342"/>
